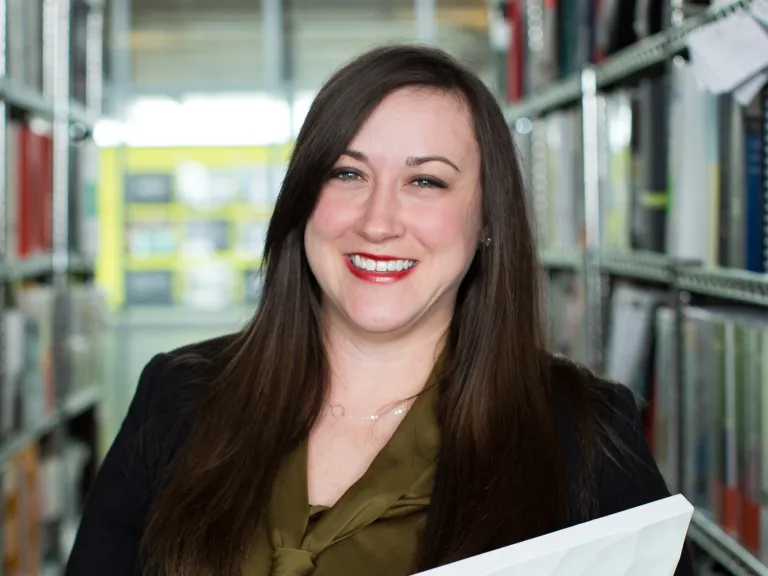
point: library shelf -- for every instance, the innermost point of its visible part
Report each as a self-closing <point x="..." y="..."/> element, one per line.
<point x="736" y="285"/>
<point x="728" y="284"/>
<point x="638" y="265"/>
<point x="723" y="548"/>
<point x="559" y="95"/>
<point x="42" y="265"/>
<point x="79" y="113"/>
<point x="624" y="64"/>
<point x="78" y="403"/>
<point x="31" y="100"/>
<point x="630" y="264"/>
<point x="25" y="97"/>
<point x="561" y="259"/>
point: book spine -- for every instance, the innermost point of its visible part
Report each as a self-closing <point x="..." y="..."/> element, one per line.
<point x="516" y="55"/>
<point x="734" y="167"/>
<point x="731" y="498"/>
<point x="650" y="205"/>
<point x="754" y="181"/>
<point x="763" y="499"/>
<point x="751" y="518"/>
<point x="765" y="179"/>
<point x="717" y="385"/>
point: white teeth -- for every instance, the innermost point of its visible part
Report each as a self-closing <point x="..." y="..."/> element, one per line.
<point x="381" y="265"/>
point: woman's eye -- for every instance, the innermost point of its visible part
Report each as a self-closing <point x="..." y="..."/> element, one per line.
<point x="346" y="175"/>
<point x="429" y="183"/>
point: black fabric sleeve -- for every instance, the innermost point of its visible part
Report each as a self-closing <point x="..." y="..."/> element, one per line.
<point x="631" y="477"/>
<point x="116" y="508"/>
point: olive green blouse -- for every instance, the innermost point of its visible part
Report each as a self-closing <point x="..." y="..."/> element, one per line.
<point x="373" y="529"/>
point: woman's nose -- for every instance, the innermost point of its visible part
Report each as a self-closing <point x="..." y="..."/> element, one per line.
<point x="382" y="218"/>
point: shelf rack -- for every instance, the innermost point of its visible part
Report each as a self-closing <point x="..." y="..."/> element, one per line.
<point x="733" y="285"/>
<point x="32" y="101"/>
<point x="623" y="65"/>
<point x="561" y="259"/>
<point x="76" y="405"/>
<point x="70" y="121"/>
<point x="681" y="278"/>
<point x="724" y="548"/>
<point x="42" y="265"/>
<point x="638" y="265"/>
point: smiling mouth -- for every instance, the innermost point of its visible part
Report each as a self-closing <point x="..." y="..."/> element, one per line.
<point x="379" y="269"/>
<point x="380" y="264"/>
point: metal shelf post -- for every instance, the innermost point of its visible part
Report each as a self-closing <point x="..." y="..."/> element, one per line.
<point x="3" y="204"/>
<point x="591" y="174"/>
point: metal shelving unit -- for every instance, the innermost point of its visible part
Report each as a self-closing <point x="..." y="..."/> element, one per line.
<point x="31" y="101"/>
<point x="68" y="119"/>
<point x="724" y="548"/>
<point x="638" y="265"/>
<point x="735" y="285"/>
<point x="623" y="65"/>
<point x="562" y="259"/>
<point x="681" y="278"/>
<point x="42" y="265"/>
<point x="732" y="285"/>
<point x="76" y="405"/>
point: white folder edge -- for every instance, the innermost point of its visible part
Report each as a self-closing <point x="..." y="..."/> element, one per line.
<point x="623" y="522"/>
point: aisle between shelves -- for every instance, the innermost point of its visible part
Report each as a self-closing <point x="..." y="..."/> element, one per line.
<point x="186" y="226"/>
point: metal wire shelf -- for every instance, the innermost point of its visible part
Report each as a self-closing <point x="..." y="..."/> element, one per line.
<point x="724" y="548"/>
<point x="728" y="284"/>
<point x="737" y="285"/>
<point x="622" y="65"/>
<point x="80" y="402"/>
<point x="42" y="265"/>
<point x="32" y="100"/>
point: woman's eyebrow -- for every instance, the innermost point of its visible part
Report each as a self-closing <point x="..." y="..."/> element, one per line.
<point x="419" y="160"/>
<point x="411" y="161"/>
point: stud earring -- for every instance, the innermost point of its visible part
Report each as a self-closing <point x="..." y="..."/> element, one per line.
<point x="486" y="241"/>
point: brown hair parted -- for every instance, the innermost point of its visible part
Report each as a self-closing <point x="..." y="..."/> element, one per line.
<point x="500" y="476"/>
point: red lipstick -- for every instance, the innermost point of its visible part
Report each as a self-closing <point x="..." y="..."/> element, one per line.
<point x="387" y="277"/>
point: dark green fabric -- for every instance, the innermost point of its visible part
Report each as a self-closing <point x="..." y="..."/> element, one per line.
<point x="373" y="529"/>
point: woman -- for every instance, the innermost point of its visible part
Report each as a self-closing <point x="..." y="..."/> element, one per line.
<point x="390" y="407"/>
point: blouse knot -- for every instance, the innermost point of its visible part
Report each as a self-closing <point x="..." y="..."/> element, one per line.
<point x="292" y="562"/>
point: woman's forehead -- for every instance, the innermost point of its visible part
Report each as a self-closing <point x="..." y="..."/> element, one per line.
<point x="418" y="122"/>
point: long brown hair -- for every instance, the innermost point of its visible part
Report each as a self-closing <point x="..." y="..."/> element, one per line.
<point x="500" y="475"/>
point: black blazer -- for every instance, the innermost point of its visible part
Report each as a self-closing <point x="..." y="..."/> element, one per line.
<point x="157" y="423"/>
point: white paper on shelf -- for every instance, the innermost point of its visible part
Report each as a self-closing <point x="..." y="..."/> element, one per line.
<point x="747" y="92"/>
<point x="646" y="540"/>
<point x="759" y="11"/>
<point x="729" y="52"/>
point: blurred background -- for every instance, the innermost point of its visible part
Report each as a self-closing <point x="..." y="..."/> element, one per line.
<point x="144" y="143"/>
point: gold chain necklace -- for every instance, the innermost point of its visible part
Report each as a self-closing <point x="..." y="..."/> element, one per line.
<point x="338" y="411"/>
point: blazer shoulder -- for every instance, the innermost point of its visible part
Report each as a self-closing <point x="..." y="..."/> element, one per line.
<point x="186" y="369"/>
<point x="601" y="432"/>
<point x="171" y="389"/>
<point x="576" y="390"/>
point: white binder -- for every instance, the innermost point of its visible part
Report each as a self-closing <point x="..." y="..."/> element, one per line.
<point x="643" y="541"/>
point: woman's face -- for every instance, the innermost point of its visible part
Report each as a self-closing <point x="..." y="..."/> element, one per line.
<point x="398" y="222"/>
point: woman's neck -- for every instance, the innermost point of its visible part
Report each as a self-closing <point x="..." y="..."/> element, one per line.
<point x="368" y="374"/>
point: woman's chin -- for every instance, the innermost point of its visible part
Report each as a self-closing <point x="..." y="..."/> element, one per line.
<point x="381" y="322"/>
